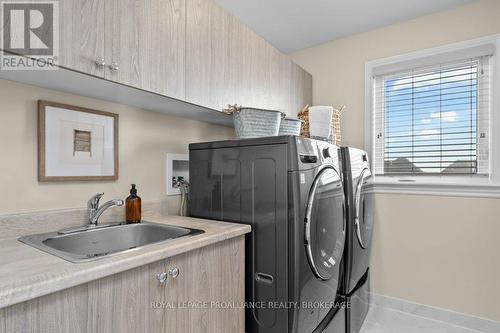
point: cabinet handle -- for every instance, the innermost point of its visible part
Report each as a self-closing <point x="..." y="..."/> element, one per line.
<point x="100" y="62"/>
<point x="162" y="277"/>
<point x="173" y="272"/>
<point x="114" y="66"/>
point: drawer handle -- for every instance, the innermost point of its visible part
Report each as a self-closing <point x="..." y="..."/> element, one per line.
<point x="264" y="278"/>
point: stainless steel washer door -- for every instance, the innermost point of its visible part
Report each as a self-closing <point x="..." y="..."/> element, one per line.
<point x="325" y="223"/>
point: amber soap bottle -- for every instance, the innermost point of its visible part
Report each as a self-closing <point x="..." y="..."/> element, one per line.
<point x="133" y="206"/>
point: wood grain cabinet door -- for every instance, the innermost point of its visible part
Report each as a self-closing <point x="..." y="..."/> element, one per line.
<point x="211" y="66"/>
<point x="209" y="289"/>
<point x="204" y="291"/>
<point x="81" y="31"/>
<point x="226" y="62"/>
<point x="132" y="301"/>
<point x="268" y="78"/>
<point x="253" y="58"/>
<point x="300" y="89"/>
<point x="280" y="82"/>
<point x="128" y="302"/>
<point x="145" y="44"/>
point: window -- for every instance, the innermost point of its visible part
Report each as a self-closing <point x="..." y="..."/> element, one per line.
<point x="433" y="120"/>
<point x="432" y="124"/>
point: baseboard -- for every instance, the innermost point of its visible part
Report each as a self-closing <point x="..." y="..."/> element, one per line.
<point x="434" y="313"/>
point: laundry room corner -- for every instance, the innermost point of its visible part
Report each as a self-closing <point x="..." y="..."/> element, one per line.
<point x="429" y="248"/>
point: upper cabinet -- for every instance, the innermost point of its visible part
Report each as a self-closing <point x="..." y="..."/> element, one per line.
<point x="211" y="69"/>
<point x="82" y="36"/>
<point x="145" y="44"/>
<point x="227" y="63"/>
<point x="192" y="50"/>
<point x="300" y="88"/>
<point x="139" y="43"/>
<point x="253" y="58"/>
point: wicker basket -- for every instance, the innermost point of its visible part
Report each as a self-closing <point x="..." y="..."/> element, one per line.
<point x="336" y="138"/>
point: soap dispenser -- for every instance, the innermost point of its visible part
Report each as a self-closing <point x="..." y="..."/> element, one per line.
<point x="133" y="206"/>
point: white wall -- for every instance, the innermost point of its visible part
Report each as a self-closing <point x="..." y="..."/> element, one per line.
<point x="145" y="139"/>
<point x="441" y="251"/>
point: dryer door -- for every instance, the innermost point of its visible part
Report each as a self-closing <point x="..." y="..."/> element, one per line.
<point x="363" y="216"/>
<point x="325" y="223"/>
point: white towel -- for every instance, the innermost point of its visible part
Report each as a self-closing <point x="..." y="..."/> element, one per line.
<point x="320" y="121"/>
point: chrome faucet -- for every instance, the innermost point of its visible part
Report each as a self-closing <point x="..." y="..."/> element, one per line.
<point x="95" y="211"/>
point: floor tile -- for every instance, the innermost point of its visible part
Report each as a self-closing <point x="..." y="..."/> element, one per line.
<point x="384" y="320"/>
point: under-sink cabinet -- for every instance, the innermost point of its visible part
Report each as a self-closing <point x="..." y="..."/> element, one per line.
<point x="197" y="291"/>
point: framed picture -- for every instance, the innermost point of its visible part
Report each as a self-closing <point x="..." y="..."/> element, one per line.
<point x="76" y="144"/>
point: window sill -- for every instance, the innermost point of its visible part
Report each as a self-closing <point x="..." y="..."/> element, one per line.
<point x="481" y="188"/>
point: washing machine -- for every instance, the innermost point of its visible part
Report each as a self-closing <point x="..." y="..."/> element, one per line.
<point x="355" y="280"/>
<point x="290" y="190"/>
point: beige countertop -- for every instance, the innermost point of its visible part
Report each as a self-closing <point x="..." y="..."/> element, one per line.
<point x="27" y="273"/>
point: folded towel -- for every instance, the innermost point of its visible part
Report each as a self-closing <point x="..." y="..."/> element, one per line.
<point x="320" y="121"/>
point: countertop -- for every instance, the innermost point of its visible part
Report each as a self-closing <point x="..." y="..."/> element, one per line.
<point x="27" y="273"/>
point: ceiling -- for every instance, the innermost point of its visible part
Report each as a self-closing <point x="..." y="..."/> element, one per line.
<point x="291" y="25"/>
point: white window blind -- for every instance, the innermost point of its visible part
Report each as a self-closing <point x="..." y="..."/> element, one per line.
<point x="433" y="120"/>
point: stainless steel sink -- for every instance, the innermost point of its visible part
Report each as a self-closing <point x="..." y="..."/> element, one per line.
<point x="92" y="244"/>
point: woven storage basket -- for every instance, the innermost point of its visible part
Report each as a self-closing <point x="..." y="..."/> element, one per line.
<point x="336" y="136"/>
